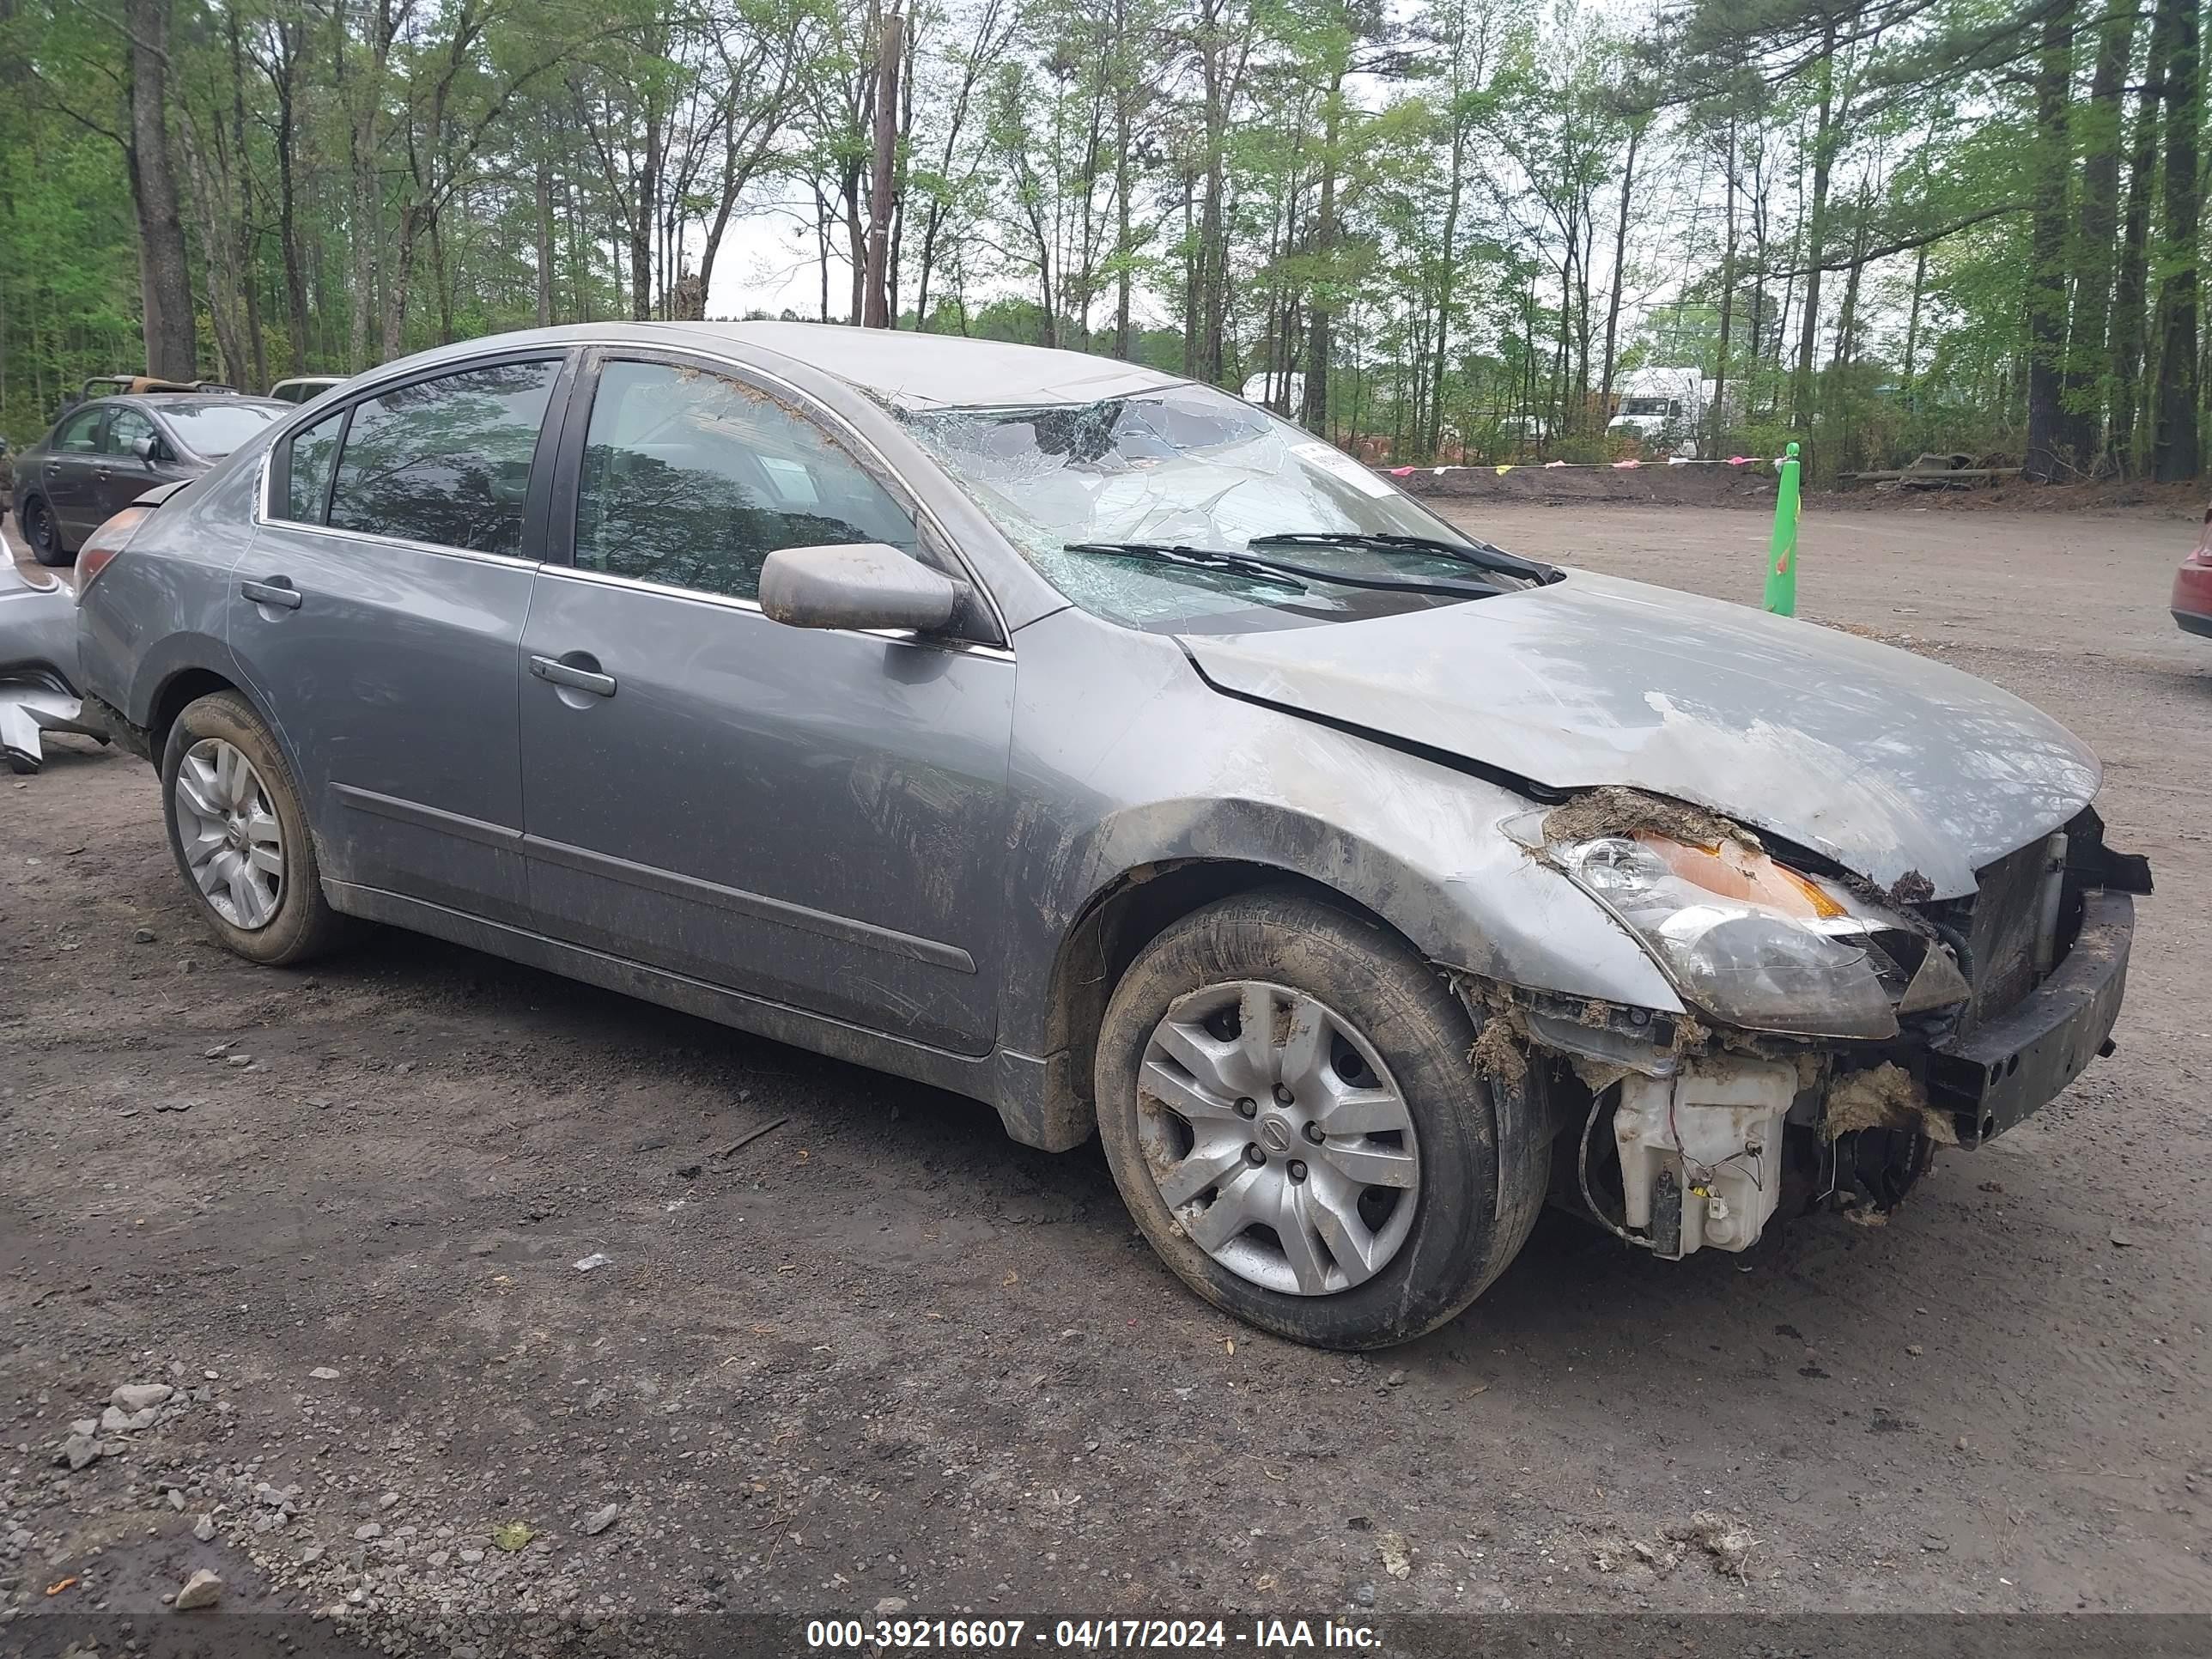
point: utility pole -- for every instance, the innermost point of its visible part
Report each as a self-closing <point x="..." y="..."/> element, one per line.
<point x="875" y="303"/>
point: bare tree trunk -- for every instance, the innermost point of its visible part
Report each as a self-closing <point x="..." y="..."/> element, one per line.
<point x="545" y="191"/>
<point x="643" y="212"/>
<point x="2131" y="282"/>
<point x="1913" y="328"/>
<point x="1816" y="225"/>
<point x="1320" y="308"/>
<point x="876" y="297"/>
<point x="1122" y="250"/>
<point x="399" y="276"/>
<point x="2046" y="253"/>
<point x="856" y="241"/>
<point x="243" y="159"/>
<point x="441" y="281"/>
<point x="283" y="79"/>
<point x="2083" y="391"/>
<point x="216" y="251"/>
<point x="1620" y="274"/>
<point x="164" y="269"/>
<point x="822" y="245"/>
<point x="1193" y="279"/>
<point x="1718" y="429"/>
<point x="2174" y="449"/>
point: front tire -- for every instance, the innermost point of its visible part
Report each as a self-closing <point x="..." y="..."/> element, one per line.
<point x="1287" y="1105"/>
<point x="240" y="834"/>
<point x="44" y="532"/>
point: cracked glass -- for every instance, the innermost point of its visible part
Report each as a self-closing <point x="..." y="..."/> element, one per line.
<point x="1191" y="466"/>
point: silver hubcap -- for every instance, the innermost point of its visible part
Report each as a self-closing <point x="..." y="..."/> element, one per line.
<point x="232" y="843"/>
<point x="1277" y="1138"/>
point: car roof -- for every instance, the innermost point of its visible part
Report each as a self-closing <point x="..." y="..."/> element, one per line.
<point x="170" y="400"/>
<point x="900" y="367"/>
<point x="919" y="370"/>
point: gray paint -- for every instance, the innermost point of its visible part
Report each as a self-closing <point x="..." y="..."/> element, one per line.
<point x="38" y="664"/>
<point x="38" y="624"/>
<point x="1884" y="761"/>
<point x="882" y="847"/>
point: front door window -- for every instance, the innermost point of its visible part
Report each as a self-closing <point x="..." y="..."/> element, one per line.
<point x="691" y="480"/>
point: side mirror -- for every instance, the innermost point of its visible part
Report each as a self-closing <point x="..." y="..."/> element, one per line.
<point x="855" y="584"/>
<point x="147" y="449"/>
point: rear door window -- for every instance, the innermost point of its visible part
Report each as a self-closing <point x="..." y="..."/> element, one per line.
<point x="79" y="434"/>
<point x="691" y="479"/>
<point x="445" y="461"/>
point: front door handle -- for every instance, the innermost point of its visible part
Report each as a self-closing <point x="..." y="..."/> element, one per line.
<point x="277" y="590"/>
<point x="557" y="673"/>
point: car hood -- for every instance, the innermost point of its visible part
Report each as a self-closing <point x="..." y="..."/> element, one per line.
<point x="1887" y="763"/>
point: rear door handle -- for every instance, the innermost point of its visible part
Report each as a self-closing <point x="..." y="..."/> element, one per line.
<point x="277" y="590"/>
<point x="555" y="672"/>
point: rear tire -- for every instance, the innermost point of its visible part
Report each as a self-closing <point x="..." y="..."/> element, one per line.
<point x="224" y="825"/>
<point x="1405" y="1216"/>
<point x="44" y="533"/>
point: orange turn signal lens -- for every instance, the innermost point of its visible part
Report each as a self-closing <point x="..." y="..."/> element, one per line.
<point x="1732" y="870"/>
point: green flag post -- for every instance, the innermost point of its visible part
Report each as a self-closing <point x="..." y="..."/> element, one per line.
<point x="1781" y="552"/>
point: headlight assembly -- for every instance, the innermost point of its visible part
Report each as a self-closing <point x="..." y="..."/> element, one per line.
<point x="1751" y="941"/>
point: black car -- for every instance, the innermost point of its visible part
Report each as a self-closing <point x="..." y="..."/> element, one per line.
<point x="103" y="455"/>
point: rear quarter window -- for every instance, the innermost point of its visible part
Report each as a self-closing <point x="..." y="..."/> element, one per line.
<point x="314" y="457"/>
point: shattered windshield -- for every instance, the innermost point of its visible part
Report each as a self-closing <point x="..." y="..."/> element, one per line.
<point x="1189" y="466"/>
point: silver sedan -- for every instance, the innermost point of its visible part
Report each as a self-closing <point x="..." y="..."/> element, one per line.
<point x="1090" y="742"/>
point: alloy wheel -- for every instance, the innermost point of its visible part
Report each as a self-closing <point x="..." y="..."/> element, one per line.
<point x="233" y="843"/>
<point x="1277" y="1139"/>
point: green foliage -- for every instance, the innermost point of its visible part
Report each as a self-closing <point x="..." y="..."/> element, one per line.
<point x="1418" y="204"/>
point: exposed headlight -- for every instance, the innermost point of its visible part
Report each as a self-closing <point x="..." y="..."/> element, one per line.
<point x="1751" y="941"/>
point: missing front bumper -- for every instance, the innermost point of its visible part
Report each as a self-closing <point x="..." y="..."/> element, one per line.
<point x="2013" y="1066"/>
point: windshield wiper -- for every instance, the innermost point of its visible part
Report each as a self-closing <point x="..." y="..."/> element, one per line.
<point x="1195" y="558"/>
<point x="1480" y="554"/>
<point x="1282" y="570"/>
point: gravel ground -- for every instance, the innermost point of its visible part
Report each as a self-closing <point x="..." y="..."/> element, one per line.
<point x="881" y="1357"/>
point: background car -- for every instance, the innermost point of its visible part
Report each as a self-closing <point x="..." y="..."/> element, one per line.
<point x="2193" y="585"/>
<point x="103" y="455"/>
<point x="304" y="388"/>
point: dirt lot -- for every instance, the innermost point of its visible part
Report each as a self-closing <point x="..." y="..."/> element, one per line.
<point x="881" y="1353"/>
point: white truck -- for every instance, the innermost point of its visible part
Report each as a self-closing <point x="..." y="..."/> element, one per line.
<point x="1665" y="408"/>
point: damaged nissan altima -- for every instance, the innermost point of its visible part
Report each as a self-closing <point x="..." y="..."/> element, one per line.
<point x="1089" y="742"/>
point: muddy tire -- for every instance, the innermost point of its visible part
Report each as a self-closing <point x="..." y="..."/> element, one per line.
<point x="1285" y="1101"/>
<point x="240" y="836"/>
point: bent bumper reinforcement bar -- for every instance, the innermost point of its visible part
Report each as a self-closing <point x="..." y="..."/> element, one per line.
<point x="2011" y="1066"/>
